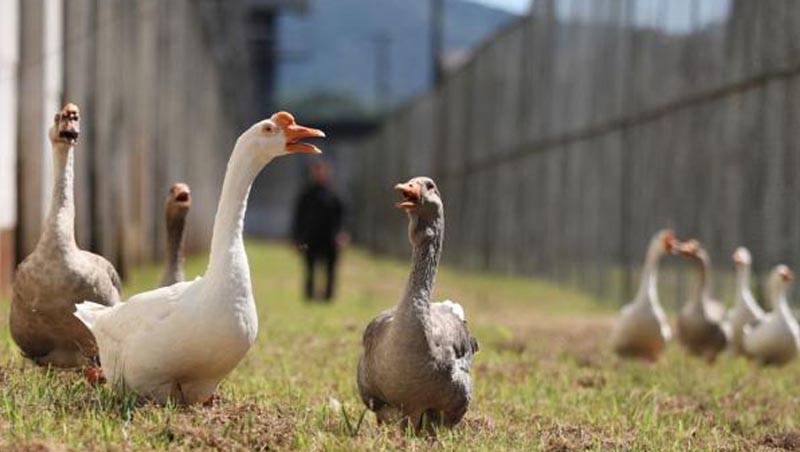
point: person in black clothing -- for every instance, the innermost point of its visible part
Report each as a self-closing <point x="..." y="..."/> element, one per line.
<point x="317" y="228"/>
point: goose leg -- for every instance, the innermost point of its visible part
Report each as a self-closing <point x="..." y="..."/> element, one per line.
<point x="95" y="376"/>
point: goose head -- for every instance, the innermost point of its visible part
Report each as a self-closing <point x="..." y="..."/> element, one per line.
<point x="279" y="135"/>
<point x="780" y="278"/>
<point x="423" y="204"/>
<point x="66" y="127"/>
<point x="693" y="251"/>
<point x="742" y="258"/>
<point x="664" y="242"/>
<point x="178" y="200"/>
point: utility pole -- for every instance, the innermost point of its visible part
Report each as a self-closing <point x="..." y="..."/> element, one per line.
<point x="383" y="95"/>
<point x="437" y="35"/>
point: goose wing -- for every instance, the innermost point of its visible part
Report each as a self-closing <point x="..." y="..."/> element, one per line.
<point x="449" y="328"/>
<point x="104" y="266"/>
<point x="373" y="334"/>
<point x="759" y="336"/>
<point x="115" y="324"/>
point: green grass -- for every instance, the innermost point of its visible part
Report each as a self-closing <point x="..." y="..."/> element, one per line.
<point x="544" y="379"/>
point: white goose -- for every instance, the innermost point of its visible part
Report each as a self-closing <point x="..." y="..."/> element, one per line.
<point x="178" y="342"/>
<point x="776" y="339"/>
<point x="746" y="310"/>
<point x="642" y="329"/>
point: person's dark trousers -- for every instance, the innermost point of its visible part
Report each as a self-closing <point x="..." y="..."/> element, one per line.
<point x="313" y="255"/>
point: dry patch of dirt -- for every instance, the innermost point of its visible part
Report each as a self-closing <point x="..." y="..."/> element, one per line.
<point x="238" y="427"/>
<point x="34" y="446"/>
<point x="560" y="437"/>
<point x="782" y="441"/>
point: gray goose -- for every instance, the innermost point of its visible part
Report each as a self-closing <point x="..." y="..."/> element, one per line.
<point x="702" y="325"/>
<point x="415" y="364"/>
<point x="176" y="208"/>
<point x="57" y="274"/>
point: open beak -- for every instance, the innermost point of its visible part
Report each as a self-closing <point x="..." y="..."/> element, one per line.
<point x="687" y="249"/>
<point x="69" y="134"/>
<point x="294" y="133"/>
<point x="183" y="197"/>
<point x="69" y="126"/>
<point x="411" y="195"/>
<point x="180" y="195"/>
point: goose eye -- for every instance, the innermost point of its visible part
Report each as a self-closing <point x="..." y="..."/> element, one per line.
<point x="429" y="186"/>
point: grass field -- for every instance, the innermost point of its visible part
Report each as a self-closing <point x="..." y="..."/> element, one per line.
<point x="544" y="380"/>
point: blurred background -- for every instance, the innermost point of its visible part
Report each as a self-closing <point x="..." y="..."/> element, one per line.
<point x="562" y="133"/>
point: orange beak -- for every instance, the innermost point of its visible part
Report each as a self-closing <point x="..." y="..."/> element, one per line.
<point x="787" y="274"/>
<point x="670" y="242"/>
<point x="411" y="195"/>
<point x="294" y="133"/>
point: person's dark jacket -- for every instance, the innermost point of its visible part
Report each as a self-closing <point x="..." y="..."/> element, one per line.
<point x="317" y="218"/>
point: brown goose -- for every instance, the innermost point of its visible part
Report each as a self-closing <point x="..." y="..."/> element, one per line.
<point x="702" y="327"/>
<point x="415" y="366"/>
<point x="58" y="275"/>
<point x="175" y="209"/>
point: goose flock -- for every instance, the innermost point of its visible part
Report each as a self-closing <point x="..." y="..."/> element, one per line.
<point x="704" y="327"/>
<point x="179" y="341"/>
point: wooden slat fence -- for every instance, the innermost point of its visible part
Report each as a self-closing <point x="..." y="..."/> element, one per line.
<point x="577" y="132"/>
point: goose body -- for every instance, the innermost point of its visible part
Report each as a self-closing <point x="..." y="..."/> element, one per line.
<point x="702" y="326"/>
<point x="775" y="339"/>
<point x="745" y="310"/>
<point x="57" y="275"/>
<point x="416" y="359"/>
<point x="178" y="342"/>
<point x="642" y="329"/>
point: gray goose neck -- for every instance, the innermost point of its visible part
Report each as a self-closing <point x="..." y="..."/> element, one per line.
<point x="702" y="291"/>
<point x="425" y="260"/>
<point x="59" y="230"/>
<point x="176" y="235"/>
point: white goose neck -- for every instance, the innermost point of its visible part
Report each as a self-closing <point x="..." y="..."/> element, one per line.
<point x="743" y="277"/>
<point x="743" y="283"/>
<point x="782" y="304"/>
<point x="59" y="230"/>
<point x="649" y="282"/>
<point x="228" y="255"/>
